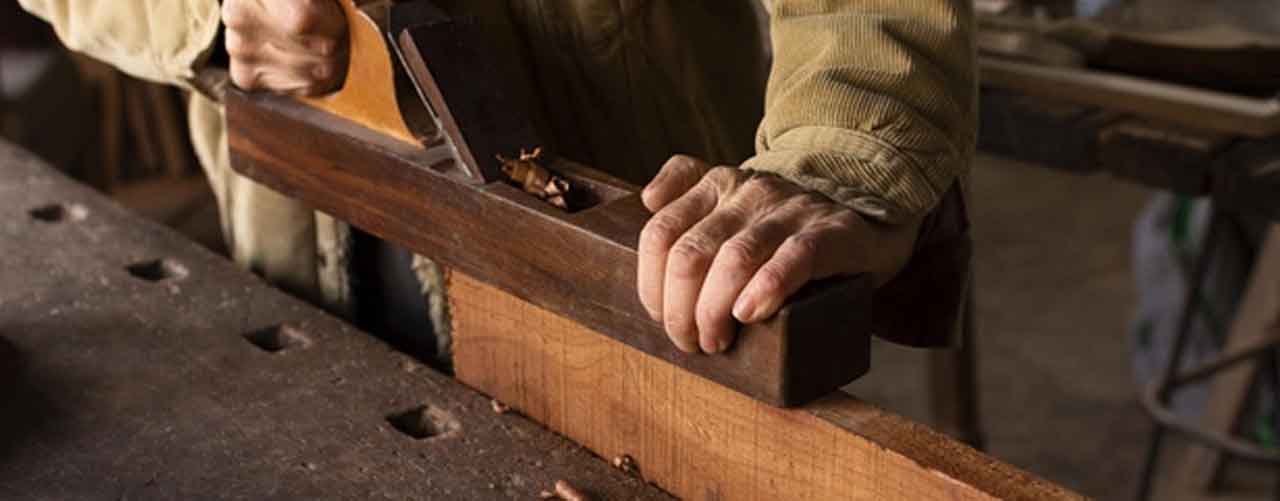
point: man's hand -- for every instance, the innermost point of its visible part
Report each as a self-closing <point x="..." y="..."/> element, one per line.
<point x="296" y="47"/>
<point x="728" y="244"/>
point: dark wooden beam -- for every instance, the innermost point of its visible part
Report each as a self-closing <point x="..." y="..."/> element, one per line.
<point x="580" y="265"/>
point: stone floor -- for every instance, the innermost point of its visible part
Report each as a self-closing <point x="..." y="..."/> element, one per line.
<point x="1055" y="295"/>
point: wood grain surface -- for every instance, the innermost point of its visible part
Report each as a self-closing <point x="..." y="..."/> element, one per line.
<point x="696" y="439"/>
<point x="132" y="367"/>
<point x="581" y="265"/>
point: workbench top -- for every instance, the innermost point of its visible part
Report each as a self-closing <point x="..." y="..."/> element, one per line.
<point x="136" y="365"/>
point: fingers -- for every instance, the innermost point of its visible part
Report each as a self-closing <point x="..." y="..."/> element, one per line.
<point x="286" y="46"/>
<point x="680" y="174"/>
<point x="823" y="250"/>
<point x="687" y="265"/>
<point x="657" y="239"/>
<point x="734" y="265"/>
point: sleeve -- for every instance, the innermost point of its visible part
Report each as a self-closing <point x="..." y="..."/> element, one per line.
<point x="871" y="102"/>
<point x="165" y="41"/>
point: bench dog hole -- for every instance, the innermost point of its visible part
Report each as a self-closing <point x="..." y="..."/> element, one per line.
<point x="158" y="270"/>
<point x="425" y="422"/>
<point x="278" y="338"/>
<point x="57" y="213"/>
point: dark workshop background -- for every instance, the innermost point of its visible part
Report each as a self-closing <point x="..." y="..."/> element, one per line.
<point x="1055" y="300"/>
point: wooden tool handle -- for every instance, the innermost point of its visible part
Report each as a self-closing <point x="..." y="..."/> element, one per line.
<point x="368" y="95"/>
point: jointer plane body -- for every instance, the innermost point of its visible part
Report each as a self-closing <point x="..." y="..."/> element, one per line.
<point x="424" y="147"/>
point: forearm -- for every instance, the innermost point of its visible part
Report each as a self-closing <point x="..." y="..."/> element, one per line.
<point x="165" y="41"/>
<point x="871" y="102"/>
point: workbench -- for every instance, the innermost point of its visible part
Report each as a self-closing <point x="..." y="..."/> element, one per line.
<point x="136" y="365"/>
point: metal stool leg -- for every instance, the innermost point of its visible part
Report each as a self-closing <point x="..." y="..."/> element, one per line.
<point x="1185" y="322"/>
<point x="954" y="384"/>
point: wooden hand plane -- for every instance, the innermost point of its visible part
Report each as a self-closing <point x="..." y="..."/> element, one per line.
<point x="407" y="150"/>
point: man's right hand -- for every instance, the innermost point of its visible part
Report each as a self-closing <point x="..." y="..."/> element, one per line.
<point x="296" y="47"/>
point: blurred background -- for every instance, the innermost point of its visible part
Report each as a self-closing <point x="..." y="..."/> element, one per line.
<point x="1081" y="274"/>
<point x="123" y="136"/>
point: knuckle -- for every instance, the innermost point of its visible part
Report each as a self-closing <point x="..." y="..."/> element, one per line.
<point x="237" y="46"/>
<point x="740" y="253"/>
<point x="804" y="244"/>
<point x="325" y="47"/>
<point x="661" y="231"/>
<point x="234" y="15"/>
<point x="682" y="162"/>
<point x="323" y="72"/>
<point x="300" y="19"/>
<point x="761" y="191"/>
<point x="722" y="175"/>
<point x="760" y="185"/>
<point x="689" y="258"/>
<point x="846" y="220"/>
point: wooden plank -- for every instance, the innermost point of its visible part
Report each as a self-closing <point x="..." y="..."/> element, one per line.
<point x="1255" y="322"/>
<point x="1176" y="104"/>
<point x="120" y="384"/>
<point x="1043" y="131"/>
<point x="696" y="439"/>
<point x="581" y="265"/>
<point x="1160" y="156"/>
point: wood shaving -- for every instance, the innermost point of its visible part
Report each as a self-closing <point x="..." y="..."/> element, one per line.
<point x="536" y="180"/>
<point x="627" y="464"/>
<point x="569" y="493"/>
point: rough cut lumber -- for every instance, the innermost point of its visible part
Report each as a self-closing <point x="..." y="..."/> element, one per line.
<point x="697" y="439"/>
<point x="125" y="377"/>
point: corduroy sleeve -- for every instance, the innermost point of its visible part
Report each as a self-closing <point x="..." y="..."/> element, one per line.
<point x="871" y="102"/>
<point x="165" y="41"/>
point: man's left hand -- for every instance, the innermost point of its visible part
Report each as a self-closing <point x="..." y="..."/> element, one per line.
<point x="727" y="244"/>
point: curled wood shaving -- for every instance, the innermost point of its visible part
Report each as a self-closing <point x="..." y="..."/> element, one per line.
<point x="569" y="493"/>
<point x="627" y="464"/>
<point x="536" y="180"/>
<point x="499" y="407"/>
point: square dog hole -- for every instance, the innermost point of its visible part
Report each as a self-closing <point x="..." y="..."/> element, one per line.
<point x="278" y="338"/>
<point x="425" y="422"/>
<point x="158" y="270"/>
<point x="57" y="213"/>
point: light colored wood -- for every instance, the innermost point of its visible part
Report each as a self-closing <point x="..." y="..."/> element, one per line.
<point x="1187" y="106"/>
<point x="699" y="440"/>
<point x="368" y="96"/>
<point x="1255" y="322"/>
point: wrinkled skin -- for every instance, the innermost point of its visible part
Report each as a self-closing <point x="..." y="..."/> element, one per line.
<point x="294" y="47"/>
<point x="727" y="245"/>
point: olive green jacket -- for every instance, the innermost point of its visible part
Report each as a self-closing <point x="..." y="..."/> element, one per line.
<point x="871" y="102"/>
